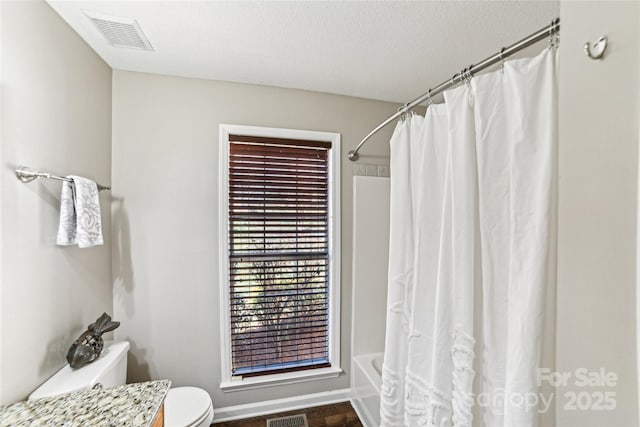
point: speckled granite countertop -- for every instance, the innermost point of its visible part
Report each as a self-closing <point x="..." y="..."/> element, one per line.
<point x="131" y="405"/>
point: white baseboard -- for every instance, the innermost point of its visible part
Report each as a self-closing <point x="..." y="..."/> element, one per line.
<point x="257" y="409"/>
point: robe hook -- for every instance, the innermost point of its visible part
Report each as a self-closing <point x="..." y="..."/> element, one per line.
<point x="596" y="51"/>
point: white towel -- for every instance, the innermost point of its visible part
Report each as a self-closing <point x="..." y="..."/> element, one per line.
<point x="80" y="221"/>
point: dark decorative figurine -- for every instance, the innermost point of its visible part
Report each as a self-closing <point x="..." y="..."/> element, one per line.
<point x="89" y="345"/>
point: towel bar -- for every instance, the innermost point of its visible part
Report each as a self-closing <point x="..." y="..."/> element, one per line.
<point x="24" y="174"/>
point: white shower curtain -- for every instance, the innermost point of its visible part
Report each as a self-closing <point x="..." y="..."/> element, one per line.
<point x="471" y="245"/>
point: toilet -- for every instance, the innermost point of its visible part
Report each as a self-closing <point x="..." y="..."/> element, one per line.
<point x="183" y="406"/>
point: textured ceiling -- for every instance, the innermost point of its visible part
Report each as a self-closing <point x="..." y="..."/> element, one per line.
<point x="387" y="50"/>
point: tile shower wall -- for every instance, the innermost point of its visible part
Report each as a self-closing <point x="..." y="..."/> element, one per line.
<point x="363" y="169"/>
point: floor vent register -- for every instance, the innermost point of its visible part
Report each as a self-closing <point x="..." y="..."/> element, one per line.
<point x="291" y="421"/>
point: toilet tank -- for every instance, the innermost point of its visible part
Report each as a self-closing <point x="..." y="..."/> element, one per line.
<point x="110" y="370"/>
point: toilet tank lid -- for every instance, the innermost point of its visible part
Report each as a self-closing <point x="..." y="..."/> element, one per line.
<point x="68" y="380"/>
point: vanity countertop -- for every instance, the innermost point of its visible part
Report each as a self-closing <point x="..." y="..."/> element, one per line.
<point x="131" y="405"/>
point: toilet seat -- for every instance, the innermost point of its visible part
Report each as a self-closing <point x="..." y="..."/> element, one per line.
<point x="187" y="407"/>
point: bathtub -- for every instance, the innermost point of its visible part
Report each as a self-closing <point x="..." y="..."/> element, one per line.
<point x="366" y="381"/>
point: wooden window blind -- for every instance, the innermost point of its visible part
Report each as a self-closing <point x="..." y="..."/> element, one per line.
<point x="278" y="254"/>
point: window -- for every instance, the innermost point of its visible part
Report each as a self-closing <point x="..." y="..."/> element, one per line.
<point x="280" y="287"/>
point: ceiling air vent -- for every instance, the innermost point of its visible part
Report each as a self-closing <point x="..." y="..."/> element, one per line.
<point x="120" y="32"/>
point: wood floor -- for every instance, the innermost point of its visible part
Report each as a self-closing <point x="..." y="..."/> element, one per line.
<point x="336" y="415"/>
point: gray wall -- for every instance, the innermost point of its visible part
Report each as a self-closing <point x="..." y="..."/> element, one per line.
<point x="598" y="216"/>
<point x="165" y="215"/>
<point x="56" y="116"/>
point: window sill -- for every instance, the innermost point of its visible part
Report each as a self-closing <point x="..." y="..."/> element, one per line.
<point x="279" y="379"/>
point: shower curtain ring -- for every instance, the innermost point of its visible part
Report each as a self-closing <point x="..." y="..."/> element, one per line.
<point x="429" y="99"/>
<point x="454" y="80"/>
<point x="467" y="75"/>
<point x="404" y="110"/>
<point x="462" y="75"/>
<point x="554" y="37"/>
<point x="502" y="58"/>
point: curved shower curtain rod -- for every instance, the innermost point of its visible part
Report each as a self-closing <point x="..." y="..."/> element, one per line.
<point x="547" y="32"/>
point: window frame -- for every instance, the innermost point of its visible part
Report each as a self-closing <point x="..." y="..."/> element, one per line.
<point x="229" y="382"/>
